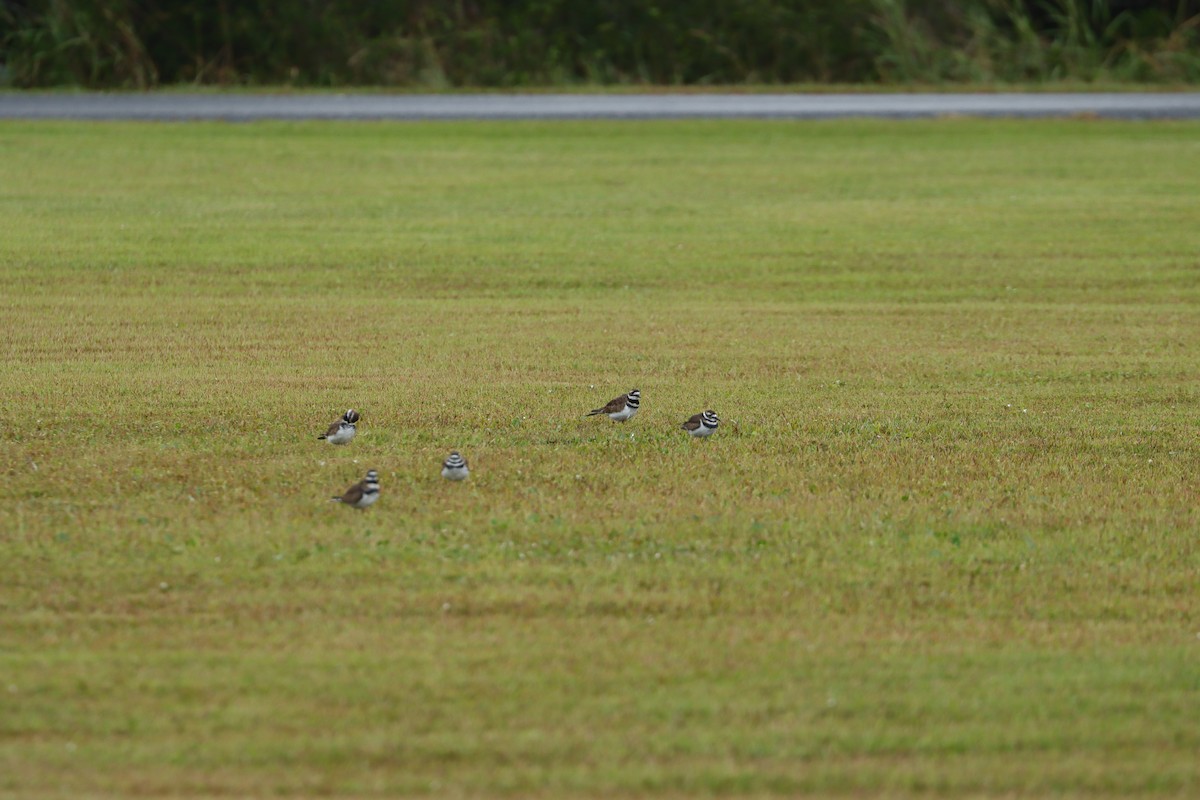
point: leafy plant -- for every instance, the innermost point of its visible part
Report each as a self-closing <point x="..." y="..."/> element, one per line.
<point x="131" y="44"/>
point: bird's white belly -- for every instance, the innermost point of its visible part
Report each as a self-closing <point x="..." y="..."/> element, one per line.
<point x="366" y="500"/>
<point x="455" y="474"/>
<point x="702" y="431"/>
<point x="341" y="437"/>
<point x="624" y="414"/>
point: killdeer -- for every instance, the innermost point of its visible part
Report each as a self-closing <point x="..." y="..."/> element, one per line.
<point x="701" y="425"/>
<point x="342" y="430"/>
<point x="455" y="468"/>
<point x="620" y="408"/>
<point x="363" y="493"/>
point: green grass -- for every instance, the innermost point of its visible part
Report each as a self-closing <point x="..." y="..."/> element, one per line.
<point x="944" y="543"/>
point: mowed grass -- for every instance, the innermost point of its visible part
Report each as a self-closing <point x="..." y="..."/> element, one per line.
<point x="944" y="542"/>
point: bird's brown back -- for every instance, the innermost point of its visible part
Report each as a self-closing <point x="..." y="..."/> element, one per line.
<point x="354" y="493"/>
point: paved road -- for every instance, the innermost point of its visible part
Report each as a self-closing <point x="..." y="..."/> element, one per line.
<point x="168" y="106"/>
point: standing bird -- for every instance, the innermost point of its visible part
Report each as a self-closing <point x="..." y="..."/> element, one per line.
<point x="455" y="468"/>
<point x="363" y="493"/>
<point x="342" y="430"/>
<point x="620" y="408"/>
<point x="701" y="425"/>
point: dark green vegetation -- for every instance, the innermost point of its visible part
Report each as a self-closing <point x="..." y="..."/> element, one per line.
<point x="428" y="43"/>
<point x="944" y="542"/>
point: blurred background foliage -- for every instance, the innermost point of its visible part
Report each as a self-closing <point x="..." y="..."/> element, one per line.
<point x="492" y="43"/>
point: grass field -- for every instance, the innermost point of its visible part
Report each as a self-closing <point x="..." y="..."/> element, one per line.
<point x="944" y="542"/>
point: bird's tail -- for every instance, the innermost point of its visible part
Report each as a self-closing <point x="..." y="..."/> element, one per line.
<point x="322" y="436"/>
<point x="594" y="412"/>
<point x="335" y="499"/>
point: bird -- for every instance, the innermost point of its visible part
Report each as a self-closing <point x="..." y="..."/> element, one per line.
<point x="363" y="493"/>
<point x="701" y="425"/>
<point x="620" y="408"/>
<point x="455" y="467"/>
<point x="342" y="430"/>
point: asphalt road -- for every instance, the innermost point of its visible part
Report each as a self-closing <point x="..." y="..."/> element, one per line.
<point x="240" y="107"/>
